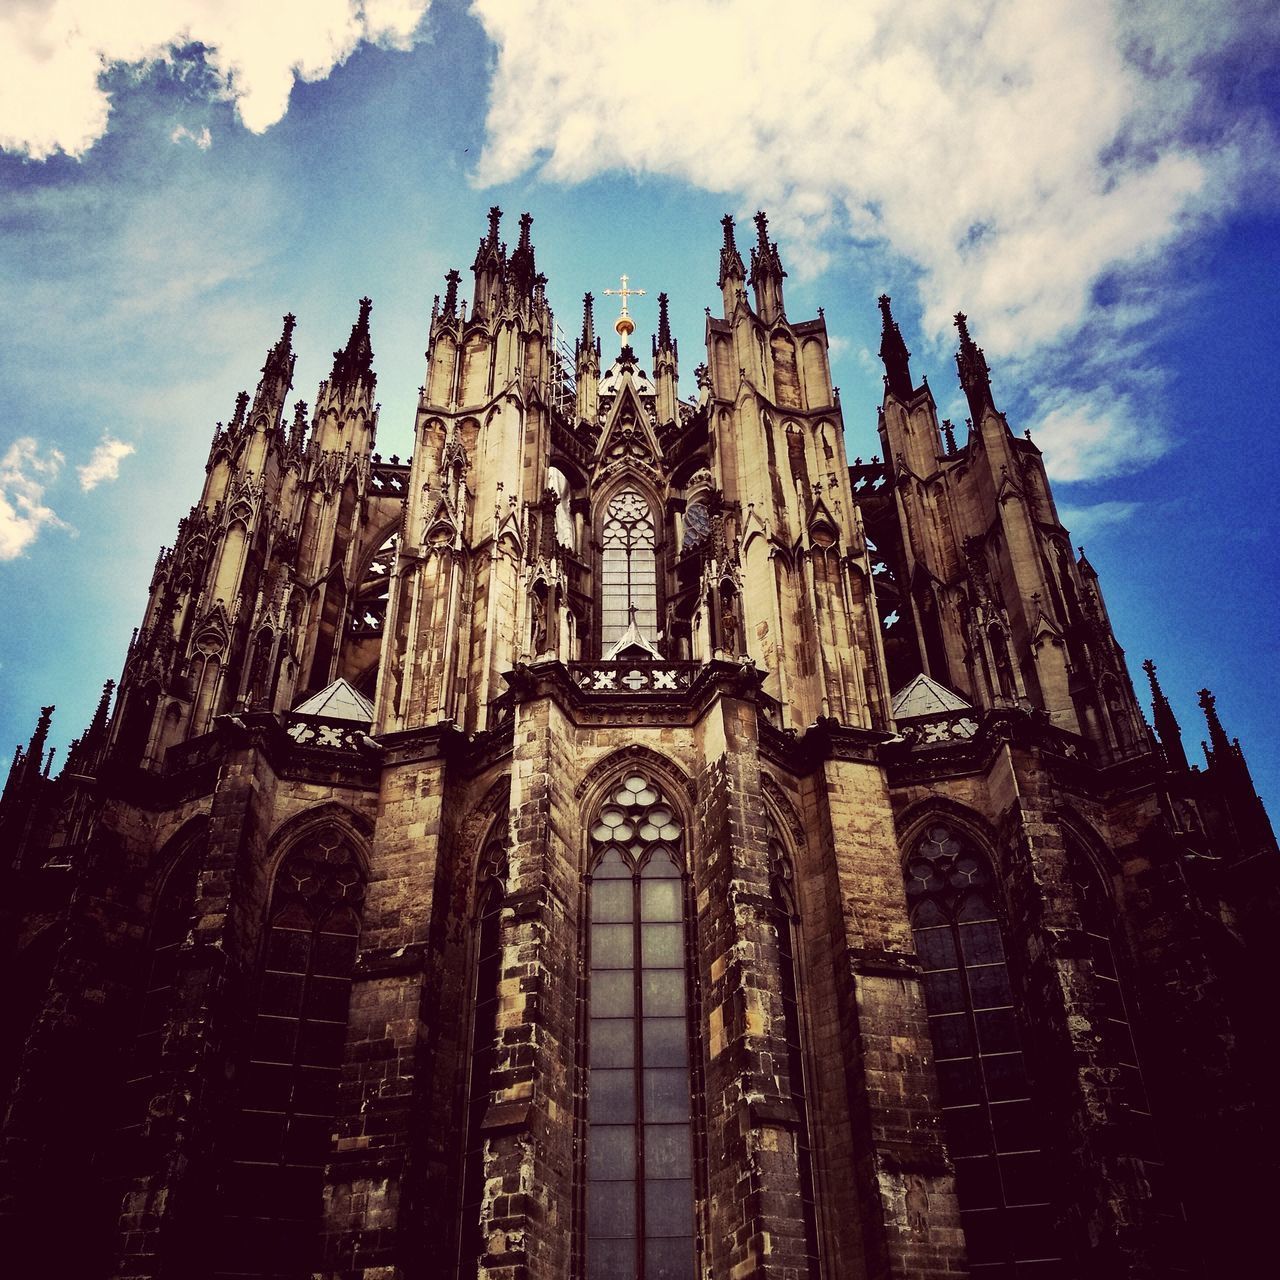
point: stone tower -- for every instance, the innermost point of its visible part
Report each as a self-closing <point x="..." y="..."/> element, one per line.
<point x="627" y="840"/>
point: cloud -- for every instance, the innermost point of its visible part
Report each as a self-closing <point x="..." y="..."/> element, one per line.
<point x="53" y="53"/>
<point x="1095" y="435"/>
<point x="1087" y="520"/>
<point x="104" y="464"/>
<point x="203" y="139"/>
<point x="1008" y="158"/>
<point x="24" y="474"/>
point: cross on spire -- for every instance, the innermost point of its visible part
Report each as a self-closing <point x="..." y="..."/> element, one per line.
<point x="624" y="325"/>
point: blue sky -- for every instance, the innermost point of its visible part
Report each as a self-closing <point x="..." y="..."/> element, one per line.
<point x="1096" y="184"/>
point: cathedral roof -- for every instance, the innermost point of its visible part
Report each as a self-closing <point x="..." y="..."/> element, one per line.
<point x="339" y="701"/>
<point x="626" y="363"/>
<point x="925" y="697"/>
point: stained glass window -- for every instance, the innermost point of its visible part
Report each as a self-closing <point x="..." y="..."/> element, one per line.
<point x="639" y="1174"/>
<point x="628" y="569"/>
<point x="994" y="1130"/>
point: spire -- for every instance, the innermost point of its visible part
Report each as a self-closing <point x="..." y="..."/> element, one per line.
<point x="664" y="366"/>
<point x="1217" y="734"/>
<point x="277" y="372"/>
<point x="522" y="266"/>
<point x="895" y="356"/>
<point x="663" y="341"/>
<point x="730" y="259"/>
<point x="949" y="435"/>
<point x="588" y="344"/>
<point x="1166" y="725"/>
<point x="242" y="405"/>
<point x="975" y="377"/>
<point x="354" y="363"/>
<point x="83" y="754"/>
<point x="298" y="430"/>
<point x="489" y="268"/>
<point x="587" y="363"/>
<point x="766" y="272"/>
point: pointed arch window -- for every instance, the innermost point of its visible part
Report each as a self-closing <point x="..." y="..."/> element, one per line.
<point x="279" y="1141"/>
<point x="639" y="1139"/>
<point x="628" y="567"/>
<point x="483" y="1050"/>
<point x="786" y="918"/>
<point x="1099" y="924"/>
<point x="994" y="1129"/>
<point x="170" y="924"/>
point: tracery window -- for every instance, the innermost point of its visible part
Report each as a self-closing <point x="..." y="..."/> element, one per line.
<point x="628" y="567"/>
<point x="279" y="1141"/>
<point x="785" y="920"/>
<point x="639" y="1157"/>
<point x="993" y="1127"/>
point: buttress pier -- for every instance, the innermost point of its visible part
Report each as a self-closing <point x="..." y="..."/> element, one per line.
<point x="627" y="841"/>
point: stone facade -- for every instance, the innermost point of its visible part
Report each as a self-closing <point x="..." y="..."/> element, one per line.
<point x="628" y="840"/>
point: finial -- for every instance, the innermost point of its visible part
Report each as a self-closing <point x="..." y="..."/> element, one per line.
<point x="962" y="323"/>
<point x="290" y="321"/>
<point x="242" y="403"/>
<point x="495" y="217"/>
<point x="451" y="281"/>
<point x="366" y="305"/>
<point x="949" y="434"/>
<point x="762" y="228"/>
<point x="727" y="223"/>
<point x="588" y="318"/>
<point x="664" y="322"/>
<point x="526" y="221"/>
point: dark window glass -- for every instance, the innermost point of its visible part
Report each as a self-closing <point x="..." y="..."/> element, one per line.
<point x="277" y="1146"/>
<point x="484" y="1046"/>
<point x="982" y="1077"/>
<point x="784" y="922"/>
<point x="639" y="1148"/>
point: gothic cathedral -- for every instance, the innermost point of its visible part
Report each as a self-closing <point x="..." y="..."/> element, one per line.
<point x="626" y="841"/>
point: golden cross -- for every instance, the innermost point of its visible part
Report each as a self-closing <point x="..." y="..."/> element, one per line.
<point x="625" y="293"/>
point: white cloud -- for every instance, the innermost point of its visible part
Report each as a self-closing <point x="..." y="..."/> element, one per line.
<point x="1093" y="435"/>
<point x="1085" y="521"/>
<point x="52" y="53"/>
<point x="203" y="139"/>
<point x="1011" y="155"/>
<point x="104" y="463"/>
<point x="25" y="471"/>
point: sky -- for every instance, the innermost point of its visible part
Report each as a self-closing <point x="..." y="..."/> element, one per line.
<point x="1096" y="183"/>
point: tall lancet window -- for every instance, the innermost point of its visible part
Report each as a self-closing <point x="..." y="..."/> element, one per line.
<point x="786" y="920"/>
<point x="487" y="933"/>
<point x="994" y="1129"/>
<point x="628" y="568"/>
<point x="639" y="1176"/>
